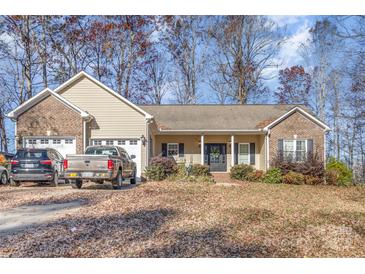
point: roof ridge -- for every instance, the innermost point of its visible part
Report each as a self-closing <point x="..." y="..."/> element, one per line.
<point x="215" y="105"/>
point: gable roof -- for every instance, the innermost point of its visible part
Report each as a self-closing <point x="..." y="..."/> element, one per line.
<point x="39" y="97"/>
<point x="171" y="118"/>
<point x="84" y="74"/>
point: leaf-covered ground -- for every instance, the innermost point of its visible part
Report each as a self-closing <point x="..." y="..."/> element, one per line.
<point x="192" y="220"/>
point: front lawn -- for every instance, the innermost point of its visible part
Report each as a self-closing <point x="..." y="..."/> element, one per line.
<point x="192" y="220"/>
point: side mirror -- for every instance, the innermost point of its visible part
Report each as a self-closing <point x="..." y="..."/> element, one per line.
<point x="133" y="156"/>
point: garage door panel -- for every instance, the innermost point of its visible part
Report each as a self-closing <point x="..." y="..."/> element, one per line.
<point x="63" y="145"/>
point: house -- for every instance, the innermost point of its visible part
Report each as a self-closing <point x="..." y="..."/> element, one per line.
<point x="83" y="112"/>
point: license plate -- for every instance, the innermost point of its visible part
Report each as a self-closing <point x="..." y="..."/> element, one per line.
<point x="87" y="174"/>
<point x="29" y="165"/>
<point x="72" y="174"/>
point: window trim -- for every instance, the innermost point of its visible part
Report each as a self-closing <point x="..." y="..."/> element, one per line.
<point x="167" y="149"/>
<point x="295" y="148"/>
<point x="239" y="151"/>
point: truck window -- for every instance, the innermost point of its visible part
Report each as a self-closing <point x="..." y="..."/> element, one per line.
<point x="101" y="151"/>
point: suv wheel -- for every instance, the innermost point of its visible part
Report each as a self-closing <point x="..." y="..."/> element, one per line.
<point x="3" y="178"/>
<point x="117" y="182"/>
<point x="133" y="179"/>
<point x="54" y="181"/>
<point x="76" y="183"/>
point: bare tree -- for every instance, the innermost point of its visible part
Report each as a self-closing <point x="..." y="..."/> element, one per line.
<point x="157" y="75"/>
<point x="182" y="38"/>
<point x="245" y="46"/>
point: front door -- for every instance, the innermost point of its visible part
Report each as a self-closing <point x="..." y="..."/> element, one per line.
<point x="215" y="157"/>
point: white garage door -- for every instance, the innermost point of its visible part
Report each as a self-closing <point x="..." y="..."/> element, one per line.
<point x="132" y="146"/>
<point x="64" y="145"/>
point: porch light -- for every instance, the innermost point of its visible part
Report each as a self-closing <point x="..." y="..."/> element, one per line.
<point x="143" y="139"/>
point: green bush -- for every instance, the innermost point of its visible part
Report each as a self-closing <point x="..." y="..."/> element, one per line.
<point x="199" y="170"/>
<point x="241" y="172"/>
<point x="155" y="173"/>
<point x="272" y="176"/>
<point x="337" y="173"/>
<point x="255" y="176"/>
<point x="293" y="178"/>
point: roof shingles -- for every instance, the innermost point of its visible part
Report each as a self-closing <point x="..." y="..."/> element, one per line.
<point x="215" y="117"/>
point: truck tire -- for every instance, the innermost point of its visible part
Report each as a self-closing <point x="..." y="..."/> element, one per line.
<point x="117" y="182"/>
<point x="76" y="183"/>
<point x="133" y="178"/>
<point x="54" y="181"/>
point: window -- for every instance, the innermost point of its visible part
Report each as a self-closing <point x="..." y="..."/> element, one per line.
<point x="97" y="142"/>
<point x="121" y="142"/>
<point x="56" y="141"/>
<point x="244" y="154"/>
<point x="101" y="151"/>
<point x="172" y="149"/>
<point x="109" y="142"/>
<point x="294" y="150"/>
<point x="32" y="141"/>
<point x="44" y="141"/>
<point x="133" y="142"/>
<point x="69" y="141"/>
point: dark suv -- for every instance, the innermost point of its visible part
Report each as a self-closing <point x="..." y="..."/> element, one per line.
<point x="36" y="165"/>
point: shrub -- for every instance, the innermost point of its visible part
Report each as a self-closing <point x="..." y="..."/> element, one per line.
<point x="312" y="180"/>
<point x="272" y="176"/>
<point x="293" y="178"/>
<point x="241" y="172"/>
<point x="199" y="170"/>
<point x="155" y="173"/>
<point x="255" y="176"/>
<point x="312" y="166"/>
<point x="337" y="173"/>
<point x="168" y="164"/>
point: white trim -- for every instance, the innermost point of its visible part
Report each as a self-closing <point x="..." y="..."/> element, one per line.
<point x="232" y="150"/>
<point x="314" y="119"/>
<point x="37" y="98"/>
<point x="249" y="153"/>
<point x="84" y="74"/>
<point x="202" y="149"/>
<point x="324" y="149"/>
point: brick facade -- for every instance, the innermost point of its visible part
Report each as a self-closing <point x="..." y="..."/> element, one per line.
<point x="54" y="116"/>
<point x="300" y="125"/>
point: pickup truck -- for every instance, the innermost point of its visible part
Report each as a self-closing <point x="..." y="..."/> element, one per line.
<point x="100" y="164"/>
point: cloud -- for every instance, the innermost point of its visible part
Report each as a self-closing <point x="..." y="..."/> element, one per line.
<point x="284" y="20"/>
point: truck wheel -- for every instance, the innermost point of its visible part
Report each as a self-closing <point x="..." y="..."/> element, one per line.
<point x="133" y="179"/>
<point x="54" y="181"/>
<point x="3" y="178"/>
<point x="117" y="182"/>
<point x="76" y="183"/>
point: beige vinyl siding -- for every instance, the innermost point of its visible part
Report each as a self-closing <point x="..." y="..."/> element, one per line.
<point x="112" y="117"/>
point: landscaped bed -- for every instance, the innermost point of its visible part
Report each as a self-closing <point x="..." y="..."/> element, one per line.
<point x="169" y="219"/>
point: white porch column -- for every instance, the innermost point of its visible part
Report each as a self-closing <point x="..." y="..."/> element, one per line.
<point x="202" y="149"/>
<point x="232" y="150"/>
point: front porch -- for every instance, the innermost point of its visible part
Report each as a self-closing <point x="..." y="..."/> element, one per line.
<point x="213" y="150"/>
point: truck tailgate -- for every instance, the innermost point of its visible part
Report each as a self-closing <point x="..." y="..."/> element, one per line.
<point x="82" y="162"/>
